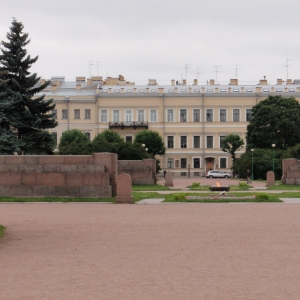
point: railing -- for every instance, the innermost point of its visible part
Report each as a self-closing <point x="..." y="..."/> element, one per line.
<point x="134" y="124"/>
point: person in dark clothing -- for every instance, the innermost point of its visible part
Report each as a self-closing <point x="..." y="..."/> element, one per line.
<point x="249" y="176"/>
<point x="165" y="173"/>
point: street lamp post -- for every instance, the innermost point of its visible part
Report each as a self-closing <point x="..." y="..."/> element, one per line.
<point x="273" y="146"/>
<point x="252" y="150"/>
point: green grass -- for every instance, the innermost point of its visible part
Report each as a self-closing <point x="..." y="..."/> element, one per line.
<point x="232" y="188"/>
<point x="55" y="199"/>
<point x="2" y="230"/>
<point x="149" y="187"/>
<point x="282" y="186"/>
<point x="137" y="196"/>
<point x="269" y="198"/>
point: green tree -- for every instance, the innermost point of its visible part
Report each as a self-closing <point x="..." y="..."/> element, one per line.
<point x="28" y="117"/>
<point x="274" y="121"/>
<point x="231" y="144"/>
<point x="73" y="136"/>
<point x="109" y="136"/>
<point x="152" y="141"/>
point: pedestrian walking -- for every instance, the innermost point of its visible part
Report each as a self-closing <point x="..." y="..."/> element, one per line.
<point x="165" y="174"/>
<point x="249" y="176"/>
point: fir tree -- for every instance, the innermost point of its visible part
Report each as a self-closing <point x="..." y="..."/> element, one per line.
<point x="27" y="117"/>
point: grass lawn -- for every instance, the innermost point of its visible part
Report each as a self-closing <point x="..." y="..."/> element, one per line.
<point x="149" y="187"/>
<point x="282" y="186"/>
<point x="271" y="198"/>
<point x="2" y="231"/>
<point x="232" y="188"/>
<point x="137" y="196"/>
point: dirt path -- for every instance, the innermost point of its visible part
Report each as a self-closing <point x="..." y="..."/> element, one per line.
<point x="177" y="251"/>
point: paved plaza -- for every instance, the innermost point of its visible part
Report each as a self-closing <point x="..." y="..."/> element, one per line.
<point x="179" y="251"/>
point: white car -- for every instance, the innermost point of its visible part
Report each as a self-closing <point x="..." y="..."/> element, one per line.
<point x="217" y="174"/>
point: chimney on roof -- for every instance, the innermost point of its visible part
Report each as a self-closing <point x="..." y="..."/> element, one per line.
<point x="289" y="81"/>
<point x="152" y="82"/>
<point x="263" y="82"/>
<point x="121" y="78"/>
<point x="195" y="81"/>
<point x="89" y="81"/>
<point x="96" y="78"/>
<point x="234" y="82"/>
<point x="184" y="82"/>
<point x="173" y="82"/>
<point x="279" y="81"/>
<point x="78" y="86"/>
<point x="211" y="82"/>
<point x="81" y="78"/>
<point x="54" y="87"/>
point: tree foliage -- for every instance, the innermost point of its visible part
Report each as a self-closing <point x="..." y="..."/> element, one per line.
<point x="231" y="144"/>
<point x="152" y="141"/>
<point x="27" y="117"/>
<point x="74" y="136"/>
<point x="109" y="136"/>
<point x="274" y="121"/>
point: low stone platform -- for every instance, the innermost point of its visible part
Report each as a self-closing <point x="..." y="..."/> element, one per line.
<point x="221" y="188"/>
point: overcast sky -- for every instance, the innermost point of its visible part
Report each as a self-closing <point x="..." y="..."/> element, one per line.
<point x="143" y="39"/>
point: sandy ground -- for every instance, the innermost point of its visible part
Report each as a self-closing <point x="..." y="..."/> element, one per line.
<point x="165" y="251"/>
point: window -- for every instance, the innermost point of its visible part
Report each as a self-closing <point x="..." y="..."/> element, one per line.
<point x="88" y="135"/>
<point x="141" y="115"/>
<point x="196" y="141"/>
<point x="54" y="135"/>
<point x="64" y="114"/>
<point x="170" y="115"/>
<point x="196" y="163"/>
<point x="248" y="114"/>
<point x="183" y="141"/>
<point x="222" y="90"/>
<point x="236" y="115"/>
<point x="183" y="163"/>
<point x="196" y="115"/>
<point x="116" y="116"/>
<point x="223" y="162"/>
<point x="222" y="115"/>
<point x="76" y="113"/>
<point x="103" y="117"/>
<point x="54" y="111"/>
<point x="128" y="139"/>
<point x="128" y="115"/>
<point x="170" y="163"/>
<point x="170" y="141"/>
<point x="221" y="141"/>
<point x="209" y="115"/>
<point x="209" y="142"/>
<point x="183" y="115"/>
<point x="153" y="117"/>
<point x="87" y="113"/>
<point x="248" y="90"/>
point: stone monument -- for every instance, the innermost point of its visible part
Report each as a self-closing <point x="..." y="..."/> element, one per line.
<point x="124" y="187"/>
<point x="270" y="178"/>
<point x="169" y="179"/>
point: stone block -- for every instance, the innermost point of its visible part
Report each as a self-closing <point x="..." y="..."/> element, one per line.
<point x="74" y="179"/>
<point x="143" y="181"/>
<point x="93" y="178"/>
<point x="67" y="191"/>
<point x="169" y="179"/>
<point x="109" y="160"/>
<point x="76" y="159"/>
<point x="4" y="190"/>
<point x="9" y="168"/>
<point x="31" y="169"/>
<point x="43" y="191"/>
<point x="10" y="178"/>
<point x="2" y="159"/>
<point x="91" y="168"/>
<point x="95" y="191"/>
<point x="21" y="190"/>
<point x="51" y="159"/>
<point x="51" y="168"/>
<point x="31" y="159"/>
<point x="291" y="180"/>
<point x="14" y="160"/>
<point x="28" y="178"/>
<point x="297" y="180"/>
<point x="51" y="179"/>
<point x="68" y="168"/>
<point x="270" y="178"/>
<point x="124" y="188"/>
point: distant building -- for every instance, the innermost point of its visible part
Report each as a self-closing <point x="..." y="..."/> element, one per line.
<point x="192" y="119"/>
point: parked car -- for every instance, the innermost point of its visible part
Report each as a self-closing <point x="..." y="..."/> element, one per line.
<point x="217" y="174"/>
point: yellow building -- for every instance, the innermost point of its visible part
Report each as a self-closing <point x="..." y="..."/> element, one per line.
<point x="192" y="119"/>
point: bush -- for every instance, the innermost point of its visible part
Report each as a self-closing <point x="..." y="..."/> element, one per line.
<point x="195" y="184"/>
<point x="262" y="197"/>
<point x="179" y="197"/>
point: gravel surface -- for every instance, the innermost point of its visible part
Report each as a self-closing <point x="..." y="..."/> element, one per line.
<point x="179" y="251"/>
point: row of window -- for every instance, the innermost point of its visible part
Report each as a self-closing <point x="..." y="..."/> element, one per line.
<point x="183" y="115"/>
<point x="182" y="163"/>
<point x="183" y="142"/>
